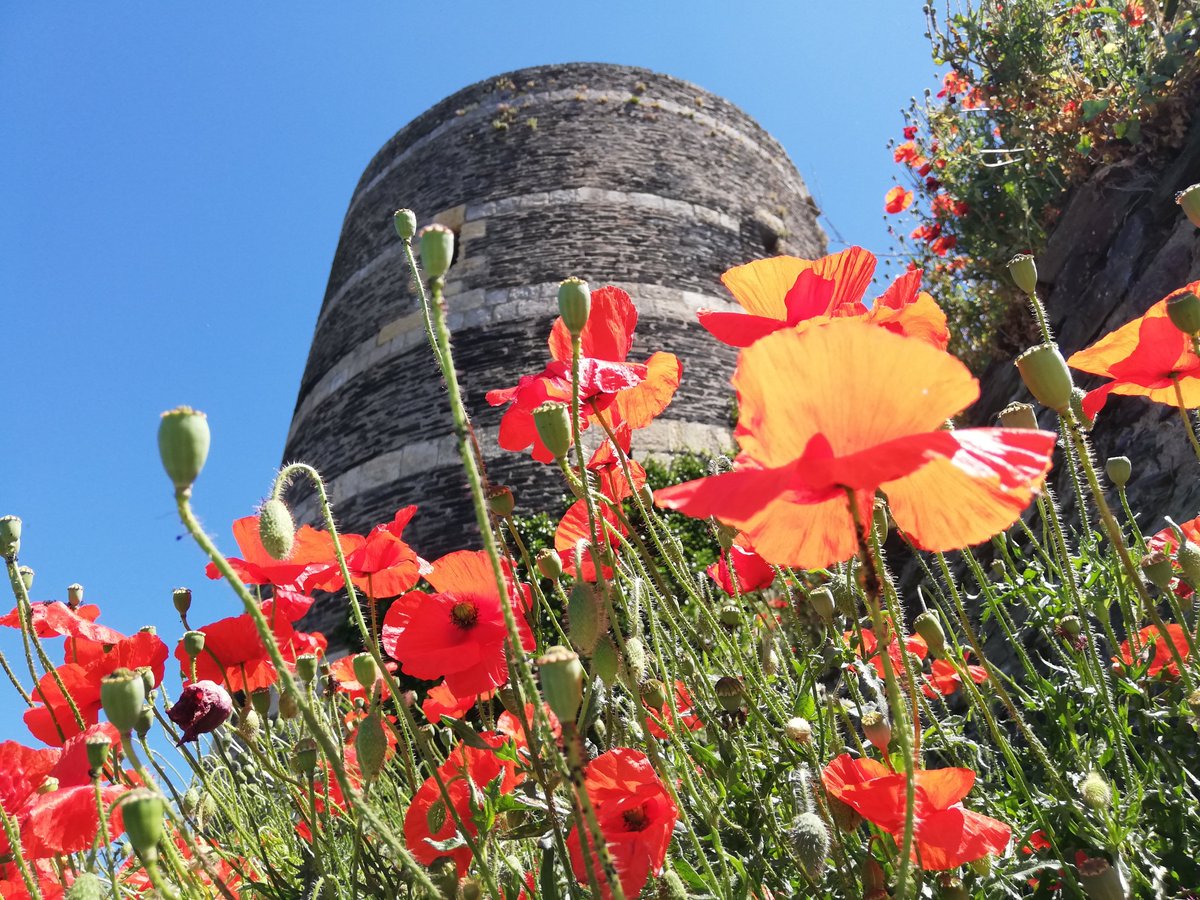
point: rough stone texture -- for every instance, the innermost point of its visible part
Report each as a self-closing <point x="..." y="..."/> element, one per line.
<point x="611" y="173"/>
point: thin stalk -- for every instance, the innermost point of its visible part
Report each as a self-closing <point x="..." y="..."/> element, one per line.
<point x="1186" y="416"/>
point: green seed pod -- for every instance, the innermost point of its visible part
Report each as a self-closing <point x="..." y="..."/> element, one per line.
<point x="810" y="840"/>
<point x="877" y="730"/>
<point x="262" y="701"/>
<point x="276" y="529"/>
<point x="562" y="682"/>
<point x="929" y="627"/>
<point x="1018" y="415"/>
<point x="951" y="888"/>
<point x="654" y="693"/>
<point x="606" y="660"/>
<point x="1071" y="626"/>
<point x="1119" y="469"/>
<point x="306" y="668"/>
<point x="1045" y="374"/>
<point x="86" y="886"/>
<point x="145" y="722"/>
<point x="730" y="616"/>
<point x="549" y="564"/>
<point x="500" y="501"/>
<point x="371" y="745"/>
<point x="1188" y="557"/>
<point x="798" y="730"/>
<point x="26" y="575"/>
<point x="10" y="537"/>
<point x="437" y="249"/>
<point x="183" y="440"/>
<point x="1023" y="270"/>
<point x="182" y="599"/>
<point x="553" y="422"/>
<point x="731" y="693"/>
<point x="1189" y="199"/>
<point x="142" y="811"/>
<point x="366" y="670"/>
<point x="1157" y="568"/>
<point x="586" y="617"/>
<point x="193" y="643"/>
<point x="469" y="889"/>
<point x="574" y="304"/>
<point x="822" y="603"/>
<point x="289" y="708"/>
<point x="405" y="221"/>
<point x="1183" y="308"/>
<point x="1095" y="791"/>
<point x="98" y="747"/>
<point x="304" y="757"/>
<point x="74" y="595"/>
<point x="122" y="695"/>
<point x="633" y="665"/>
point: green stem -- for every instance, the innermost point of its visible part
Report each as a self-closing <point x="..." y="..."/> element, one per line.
<point x="1186" y="416"/>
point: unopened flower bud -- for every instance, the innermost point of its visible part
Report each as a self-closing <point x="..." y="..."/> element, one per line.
<point x="1023" y="270"/>
<point x="586" y="617"/>
<point x="183" y="440"/>
<point x="1095" y="791"/>
<point x="193" y="643"/>
<point x="877" y="729"/>
<point x="562" y="682"/>
<point x="1189" y="199"/>
<point x="822" y="603"/>
<point x="549" y="564"/>
<point x="844" y="816"/>
<point x="1156" y="566"/>
<point x="633" y="663"/>
<point x="810" y="840"/>
<point x="726" y="534"/>
<point x="1018" y="415"/>
<point x="276" y="529"/>
<point x="366" y="671"/>
<point x="304" y="757"/>
<point x="671" y="886"/>
<point x="249" y="726"/>
<point x="145" y="721"/>
<point x="553" y="422"/>
<point x="1045" y="374"/>
<point x="306" y="668"/>
<point x="798" y="730"/>
<point x="405" y="221"/>
<point x="929" y="627"/>
<point x="122" y="695"/>
<point x="470" y="889"/>
<point x="74" y="595"/>
<point x="262" y="701"/>
<point x="203" y="707"/>
<point x="26" y="575"/>
<point x="1183" y="308"/>
<point x="142" y="812"/>
<point x="574" y="304"/>
<point x="997" y="567"/>
<point x="289" y="707"/>
<point x="654" y="693"/>
<point x="606" y="660"/>
<point x="10" y="537"/>
<point x="371" y="745"/>
<point x="98" y="747"/>
<point x="731" y="693"/>
<point x="1188" y="557"/>
<point x="500" y="501"/>
<point x="1086" y="422"/>
<point x="1119" y="469"/>
<point x="437" y="249"/>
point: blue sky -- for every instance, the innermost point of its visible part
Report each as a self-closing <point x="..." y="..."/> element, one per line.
<point x="174" y="179"/>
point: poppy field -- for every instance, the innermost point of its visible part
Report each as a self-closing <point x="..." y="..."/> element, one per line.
<point x="911" y="672"/>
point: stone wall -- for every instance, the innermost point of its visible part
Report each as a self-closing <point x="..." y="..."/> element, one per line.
<point x="614" y="174"/>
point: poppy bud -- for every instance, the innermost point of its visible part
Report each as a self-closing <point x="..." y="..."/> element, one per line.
<point x="731" y="693"/>
<point x="1157" y="568"/>
<point x="366" y="672"/>
<point x="289" y="707"/>
<point x="1086" y="422"/>
<point x="405" y="221"/>
<point x="654" y="693"/>
<point x="183" y="440"/>
<point x="929" y="627"/>
<point x="553" y="422"/>
<point x="25" y="573"/>
<point x="1018" y="415"/>
<point x="1095" y="791"/>
<point x="810" y="840"/>
<point x="562" y="682"/>
<point x="633" y="664"/>
<point x="877" y="729"/>
<point x="145" y="722"/>
<point x="371" y="746"/>
<point x="798" y="730"/>
<point x="262" y="701"/>
<point x="142" y="812"/>
<point x="951" y="887"/>
<point x="606" y="660"/>
<point x="202" y="708"/>
<point x="98" y="747"/>
<point x="1189" y="199"/>
<point x="74" y="595"/>
<point x="1188" y="557"/>
<point x="1045" y="374"/>
<point x="1023" y="270"/>
<point x="469" y="889"/>
<point x="574" y="304"/>
<point x="437" y="249"/>
<point x="10" y="537"/>
<point x="122" y="694"/>
<point x="193" y="643"/>
<point x="1119" y="469"/>
<point x="249" y="726"/>
<point x="306" y="668"/>
<point x="1193" y="702"/>
<point x="844" y="816"/>
<point x="586" y="617"/>
<point x="190" y="802"/>
<point x="730" y="616"/>
<point x="1183" y="308"/>
<point x="671" y="886"/>
<point x="435" y="816"/>
<point x="87" y="886"/>
<point x="276" y="529"/>
<point x="873" y="879"/>
<point x="549" y="564"/>
<point x="304" y="757"/>
<point x="822" y="603"/>
<point x="997" y="567"/>
<point x="500" y="501"/>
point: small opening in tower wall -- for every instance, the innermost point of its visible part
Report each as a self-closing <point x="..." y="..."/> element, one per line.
<point x="769" y="237"/>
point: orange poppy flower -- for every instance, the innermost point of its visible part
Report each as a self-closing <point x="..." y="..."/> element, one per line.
<point x="752" y="571"/>
<point x="868" y="418"/>
<point x="785" y="292"/>
<point x="1163" y="660"/>
<point x="897" y="200"/>
<point x="1143" y="358"/>
<point x="573" y="529"/>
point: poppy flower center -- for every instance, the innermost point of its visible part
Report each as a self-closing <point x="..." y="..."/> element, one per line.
<point x="636" y="819"/>
<point x="464" y="614"/>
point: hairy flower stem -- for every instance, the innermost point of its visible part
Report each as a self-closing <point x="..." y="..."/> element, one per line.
<point x="13" y="833"/>
<point x="1186" y="415"/>
<point x="573" y="743"/>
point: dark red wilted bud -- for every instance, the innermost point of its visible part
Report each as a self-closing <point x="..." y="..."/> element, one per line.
<point x="202" y="707"/>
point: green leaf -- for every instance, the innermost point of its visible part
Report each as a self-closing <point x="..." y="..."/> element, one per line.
<point x="1093" y="108"/>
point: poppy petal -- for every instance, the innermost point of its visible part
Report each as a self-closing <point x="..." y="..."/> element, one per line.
<point x="738" y="329"/>
<point x="640" y="405"/>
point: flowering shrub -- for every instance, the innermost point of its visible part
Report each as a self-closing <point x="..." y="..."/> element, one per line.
<point x="1036" y="95"/>
<point x="618" y="717"/>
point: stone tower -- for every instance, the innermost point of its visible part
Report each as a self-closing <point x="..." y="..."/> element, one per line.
<point x="614" y="174"/>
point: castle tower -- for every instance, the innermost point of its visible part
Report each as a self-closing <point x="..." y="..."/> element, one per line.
<point x="615" y="174"/>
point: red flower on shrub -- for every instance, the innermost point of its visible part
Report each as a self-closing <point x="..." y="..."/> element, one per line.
<point x="752" y="571"/>
<point x="945" y="834"/>
<point x="1163" y="660"/>
<point x="633" y="393"/>
<point x="380" y="564"/>
<point x="457" y="632"/>
<point x="876" y="426"/>
<point x="784" y="292"/>
<point x="636" y="816"/>
<point x="661" y="720"/>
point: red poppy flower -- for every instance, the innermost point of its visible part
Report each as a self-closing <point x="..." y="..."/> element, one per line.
<point x="1163" y="660"/>
<point x="907" y="151"/>
<point x="636" y="816"/>
<point x="441" y="701"/>
<point x="1143" y="358"/>
<point x="510" y="726"/>
<point x="945" y="834"/>
<point x="341" y="670"/>
<point x="661" y="720"/>
<point x="784" y="292"/>
<point x="944" y="679"/>
<point x="214" y="863"/>
<point x="865" y="428"/>
<point x="234" y="655"/>
<point x="457" y="632"/>
<point x="466" y="771"/>
<point x="752" y="571"/>
<point x="381" y="564"/>
<point x="943" y="245"/>
<point x="1135" y="14"/>
<point x="82" y="682"/>
<point x="897" y="199"/>
<point x="312" y="553"/>
<point x="605" y="469"/>
<point x="952" y="84"/>
<point x="633" y="393"/>
<point x="869" y="649"/>
<point x="910" y="132"/>
<point x="55" y="619"/>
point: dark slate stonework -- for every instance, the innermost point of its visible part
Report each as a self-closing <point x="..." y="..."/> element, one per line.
<point x="612" y="173"/>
